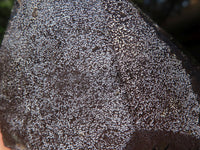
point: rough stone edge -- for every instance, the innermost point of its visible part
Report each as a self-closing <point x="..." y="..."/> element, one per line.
<point x="192" y="69"/>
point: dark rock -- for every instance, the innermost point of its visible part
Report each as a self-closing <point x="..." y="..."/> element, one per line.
<point x="162" y="140"/>
<point x="88" y="75"/>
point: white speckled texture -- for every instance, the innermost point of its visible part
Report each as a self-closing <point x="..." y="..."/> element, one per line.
<point x="87" y="74"/>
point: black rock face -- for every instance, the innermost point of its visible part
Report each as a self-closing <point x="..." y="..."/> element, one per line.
<point x="88" y="75"/>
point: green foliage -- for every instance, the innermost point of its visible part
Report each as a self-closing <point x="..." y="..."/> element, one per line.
<point x="6" y="3"/>
<point x="5" y="10"/>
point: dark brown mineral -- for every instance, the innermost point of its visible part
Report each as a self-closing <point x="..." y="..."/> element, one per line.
<point x="93" y="74"/>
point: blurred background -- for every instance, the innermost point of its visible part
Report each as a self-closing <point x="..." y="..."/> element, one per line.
<point x="5" y="10"/>
<point x="180" y="18"/>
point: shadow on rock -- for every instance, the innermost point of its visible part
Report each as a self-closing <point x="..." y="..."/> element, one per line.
<point x="162" y="140"/>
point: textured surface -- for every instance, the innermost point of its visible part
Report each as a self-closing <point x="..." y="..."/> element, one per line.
<point x="87" y="74"/>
